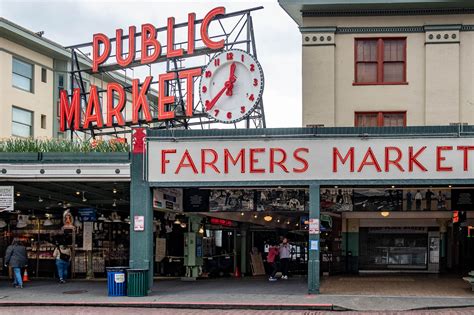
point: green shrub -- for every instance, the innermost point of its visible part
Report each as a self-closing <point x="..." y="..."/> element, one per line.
<point x="60" y="145"/>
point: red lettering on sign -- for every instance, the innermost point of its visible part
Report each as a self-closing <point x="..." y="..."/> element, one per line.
<point x="67" y="113"/>
<point x="116" y="111"/>
<point x="412" y="159"/>
<point x="170" y="51"/>
<point x="139" y="100"/>
<point x="93" y="113"/>
<point x="191" y="33"/>
<point x="189" y="76"/>
<point x="97" y="57"/>
<point x="164" y="99"/>
<point x="337" y="155"/>
<point x="186" y="161"/>
<point x="164" y="160"/>
<point x="280" y="163"/>
<point x="440" y="158"/>
<point x="254" y="160"/>
<point x="465" y="150"/>
<point x="228" y="157"/>
<point x="368" y="160"/>
<point x="205" y="27"/>
<point x="300" y="159"/>
<point x="396" y="161"/>
<point x="124" y="62"/>
<point x="211" y="163"/>
<point x="149" y="40"/>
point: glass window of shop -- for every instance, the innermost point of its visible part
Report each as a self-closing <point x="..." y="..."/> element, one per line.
<point x="22" y="75"/>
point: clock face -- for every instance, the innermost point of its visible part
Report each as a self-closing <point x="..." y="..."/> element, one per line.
<point x="231" y="86"/>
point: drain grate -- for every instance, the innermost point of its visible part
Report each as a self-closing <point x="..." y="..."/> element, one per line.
<point x="75" y="292"/>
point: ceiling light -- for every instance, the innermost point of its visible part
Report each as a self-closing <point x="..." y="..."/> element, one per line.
<point x="255" y="216"/>
<point x="393" y="186"/>
<point x="450" y="186"/>
<point x="385" y="214"/>
<point x="287" y="222"/>
<point x="242" y="213"/>
<point x="115" y="203"/>
<point x="2" y="223"/>
<point x="278" y="220"/>
<point x="297" y="224"/>
<point x="18" y="194"/>
<point x="101" y="218"/>
<point x="84" y="199"/>
<point x="114" y="190"/>
<point x="40" y="199"/>
<point x="47" y="222"/>
<point x="78" y="193"/>
<point x="201" y="230"/>
<point x="183" y="225"/>
<point x="268" y="218"/>
<point x="177" y="222"/>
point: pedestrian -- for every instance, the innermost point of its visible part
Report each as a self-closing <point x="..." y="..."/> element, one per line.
<point x="62" y="253"/>
<point x="273" y="252"/>
<point x="418" y="198"/>
<point x="284" y="258"/>
<point x="16" y="258"/>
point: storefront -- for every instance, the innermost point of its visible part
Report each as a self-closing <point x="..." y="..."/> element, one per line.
<point x="363" y="191"/>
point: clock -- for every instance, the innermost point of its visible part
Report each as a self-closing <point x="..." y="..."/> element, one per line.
<point x="231" y="86"/>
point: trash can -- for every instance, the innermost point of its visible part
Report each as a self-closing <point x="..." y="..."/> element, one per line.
<point x="116" y="281"/>
<point x="137" y="282"/>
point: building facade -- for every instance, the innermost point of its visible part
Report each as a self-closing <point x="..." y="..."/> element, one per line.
<point x="372" y="63"/>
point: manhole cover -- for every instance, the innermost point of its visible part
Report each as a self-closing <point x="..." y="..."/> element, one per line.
<point x="75" y="292"/>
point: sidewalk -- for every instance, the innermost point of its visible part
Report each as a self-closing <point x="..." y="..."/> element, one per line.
<point x="252" y="293"/>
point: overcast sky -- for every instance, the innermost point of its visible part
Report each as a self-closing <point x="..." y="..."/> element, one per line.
<point x="277" y="36"/>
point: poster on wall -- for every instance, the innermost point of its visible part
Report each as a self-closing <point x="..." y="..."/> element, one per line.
<point x="282" y="200"/>
<point x="231" y="200"/>
<point x="6" y="198"/>
<point x="168" y="198"/>
<point x="196" y="200"/>
<point x="426" y="199"/>
<point x="378" y="199"/>
<point x="463" y="199"/>
<point x="336" y="199"/>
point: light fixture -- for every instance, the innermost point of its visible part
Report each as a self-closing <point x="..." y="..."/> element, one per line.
<point x="48" y="221"/>
<point x="287" y="222"/>
<point x="101" y="218"/>
<point x="201" y="230"/>
<point x="183" y="225"/>
<point x="2" y="223"/>
<point x="241" y="213"/>
<point x="78" y="193"/>
<point x="127" y="220"/>
<point x="114" y="190"/>
<point x="450" y="186"/>
<point x="18" y="194"/>
<point x="268" y="218"/>
<point x="178" y="222"/>
<point x="84" y="199"/>
<point x="384" y="213"/>
<point x="255" y="216"/>
<point x="278" y="220"/>
<point x="393" y="186"/>
<point x="297" y="224"/>
<point x="40" y="199"/>
<point x="115" y="203"/>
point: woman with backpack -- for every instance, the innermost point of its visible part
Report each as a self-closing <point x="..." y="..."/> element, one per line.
<point x="62" y="253"/>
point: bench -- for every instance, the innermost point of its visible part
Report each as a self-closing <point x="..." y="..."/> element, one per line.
<point x="470" y="280"/>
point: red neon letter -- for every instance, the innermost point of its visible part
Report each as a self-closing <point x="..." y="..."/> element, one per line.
<point x="170" y="51"/>
<point x="366" y="162"/>
<point x="228" y="157"/>
<point x="280" y="163"/>
<point x="131" y="46"/>
<point x="254" y="160"/>
<point x="301" y="160"/>
<point x="191" y="33"/>
<point x="164" y="161"/>
<point x="93" y="112"/>
<point x="68" y="114"/>
<point x="336" y="155"/>
<point x="440" y="158"/>
<point x="189" y="76"/>
<point x="186" y="156"/>
<point x="115" y="111"/>
<point x="97" y="58"/>
<point x="139" y="100"/>
<point x="412" y="159"/>
<point x="164" y="99"/>
<point x="149" y="39"/>
<point x="466" y="150"/>
<point x="212" y="163"/>
<point x="395" y="162"/>
<point x="205" y="26"/>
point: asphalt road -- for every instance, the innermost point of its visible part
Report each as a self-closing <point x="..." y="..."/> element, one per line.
<point x="146" y="311"/>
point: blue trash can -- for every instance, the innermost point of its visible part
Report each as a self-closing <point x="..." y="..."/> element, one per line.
<point x="116" y="281"/>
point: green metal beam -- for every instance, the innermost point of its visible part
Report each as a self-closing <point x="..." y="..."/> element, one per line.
<point x="313" y="257"/>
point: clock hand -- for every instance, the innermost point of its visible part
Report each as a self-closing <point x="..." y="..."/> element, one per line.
<point x="232" y="79"/>
<point x="210" y="105"/>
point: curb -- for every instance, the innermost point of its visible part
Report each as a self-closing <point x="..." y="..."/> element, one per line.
<point x="184" y="305"/>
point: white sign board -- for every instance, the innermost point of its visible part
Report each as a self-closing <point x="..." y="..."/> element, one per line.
<point x="314" y="245"/>
<point x="7" y="200"/>
<point x="139" y="223"/>
<point x="311" y="159"/>
<point x="313" y="226"/>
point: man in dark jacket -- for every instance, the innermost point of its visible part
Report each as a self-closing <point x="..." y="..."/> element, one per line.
<point x="16" y="258"/>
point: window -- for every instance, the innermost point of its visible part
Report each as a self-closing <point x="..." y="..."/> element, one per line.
<point x="22" y="122"/>
<point x="43" y="121"/>
<point x="380" y="119"/>
<point x="22" y="75"/>
<point x="44" y="77"/>
<point x="380" y="61"/>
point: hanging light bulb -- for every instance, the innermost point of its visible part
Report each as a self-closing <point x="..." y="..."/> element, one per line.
<point x="40" y="199"/>
<point x="78" y="193"/>
<point x="385" y="214"/>
<point x="183" y="225"/>
<point x="268" y="218"/>
<point x="241" y="213"/>
<point x="201" y="230"/>
<point x="114" y="190"/>
<point x="115" y="203"/>
<point x="255" y="216"/>
<point x="177" y="221"/>
<point x="84" y="199"/>
<point x="278" y="220"/>
<point x="18" y="194"/>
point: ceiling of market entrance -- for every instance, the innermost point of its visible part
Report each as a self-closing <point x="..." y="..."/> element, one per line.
<point x="50" y="196"/>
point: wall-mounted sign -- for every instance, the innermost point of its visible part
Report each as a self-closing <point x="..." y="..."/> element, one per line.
<point x="310" y="159"/>
<point x="7" y="201"/>
<point x="222" y="222"/>
<point x="87" y="214"/>
<point x="168" y="198"/>
<point x="314" y="226"/>
<point x="314" y="245"/>
<point x="139" y="223"/>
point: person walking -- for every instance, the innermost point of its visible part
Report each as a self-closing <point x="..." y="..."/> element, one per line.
<point x="284" y="258"/>
<point x="62" y="253"/>
<point x="273" y="252"/>
<point x="16" y="258"/>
